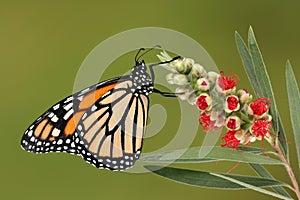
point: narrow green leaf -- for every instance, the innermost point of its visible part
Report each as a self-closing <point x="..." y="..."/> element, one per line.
<point x="206" y="179"/>
<point x="177" y="154"/>
<point x="247" y="62"/>
<point x="261" y="171"/>
<point x="216" y="153"/>
<point x="262" y="77"/>
<point x="294" y="104"/>
<point x="250" y="186"/>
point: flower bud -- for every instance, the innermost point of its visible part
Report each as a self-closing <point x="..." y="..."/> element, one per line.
<point x="233" y="123"/>
<point x="192" y="99"/>
<point x="243" y="137"/>
<point x="188" y="62"/>
<point x="220" y="121"/>
<point x="202" y="84"/>
<point x="212" y="76"/>
<point x="170" y="78"/>
<point x="231" y="104"/>
<point x="206" y="121"/>
<point x="164" y="56"/>
<point x="182" y="93"/>
<point x="198" y="70"/>
<point x="180" y="79"/>
<point x="179" y="66"/>
<point x="267" y="117"/>
<point x="244" y="96"/>
<point x="204" y="102"/>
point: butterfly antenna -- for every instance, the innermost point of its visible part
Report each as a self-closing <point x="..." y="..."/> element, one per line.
<point x="136" y="56"/>
<point x="154" y="47"/>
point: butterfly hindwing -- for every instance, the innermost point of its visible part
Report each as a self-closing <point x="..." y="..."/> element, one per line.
<point x="112" y="129"/>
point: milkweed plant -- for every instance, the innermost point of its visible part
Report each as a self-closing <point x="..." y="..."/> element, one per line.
<point x="241" y="117"/>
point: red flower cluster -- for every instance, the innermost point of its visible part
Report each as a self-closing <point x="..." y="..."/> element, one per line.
<point x="236" y="104"/>
<point x="219" y="103"/>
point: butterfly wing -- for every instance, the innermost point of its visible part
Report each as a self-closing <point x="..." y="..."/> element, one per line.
<point x="106" y="114"/>
<point x="112" y="129"/>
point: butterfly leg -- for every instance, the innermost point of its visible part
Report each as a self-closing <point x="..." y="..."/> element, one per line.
<point x="156" y="64"/>
<point x="166" y="94"/>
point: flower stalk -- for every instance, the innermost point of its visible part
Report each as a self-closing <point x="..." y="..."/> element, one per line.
<point x="289" y="170"/>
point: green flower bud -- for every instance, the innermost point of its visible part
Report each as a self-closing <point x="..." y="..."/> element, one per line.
<point x="180" y="79"/>
<point x="179" y="66"/>
<point x="170" y="78"/>
<point x="192" y="99"/>
<point x="212" y="76"/>
<point x="198" y="70"/>
<point x="182" y="93"/>
<point x="188" y="62"/>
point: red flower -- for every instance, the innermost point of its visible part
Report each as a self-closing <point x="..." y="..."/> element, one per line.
<point x="204" y="119"/>
<point x="232" y="104"/>
<point x="204" y="102"/>
<point x="260" y="128"/>
<point x="230" y="140"/>
<point x="259" y="107"/>
<point x="233" y="123"/>
<point x="206" y="122"/>
<point x="226" y="84"/>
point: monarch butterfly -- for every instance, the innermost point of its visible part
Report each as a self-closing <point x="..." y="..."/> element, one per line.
<point x="103" y="123"/>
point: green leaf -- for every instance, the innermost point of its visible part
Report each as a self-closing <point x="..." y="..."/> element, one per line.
<point x="257" y="79"/>
<point x="250" y="186"/>
<point x="262" y="77"/>
<point x="191" y="155"/>
<point x="208" y="180"/>
<point x="294" y="104"/>
<point x="261" y="171"/>
<point x="247" y="62"/>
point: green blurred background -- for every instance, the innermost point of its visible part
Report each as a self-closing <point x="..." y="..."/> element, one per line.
<point x="43" y="43"/>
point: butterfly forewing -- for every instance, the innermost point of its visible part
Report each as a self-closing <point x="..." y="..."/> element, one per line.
<point x="104" y="123"/>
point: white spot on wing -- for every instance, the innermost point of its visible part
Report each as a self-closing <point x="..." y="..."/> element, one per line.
<point x="32" y="139"/>
<point x="94" y="108"/>
<point x="29" y="133"/>
<point x="54" y="118"/>
<point x="68" y="106"/>
<point x="68" y="114"/>
<point x="56" y="106"/>
<point x="55" y="132"/>
<point x="69" y="99"/>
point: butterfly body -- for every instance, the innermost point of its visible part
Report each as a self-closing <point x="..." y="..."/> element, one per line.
<point x="104" y="123"/>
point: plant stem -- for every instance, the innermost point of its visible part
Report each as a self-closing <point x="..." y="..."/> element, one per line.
<point x="288" y="169"/>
